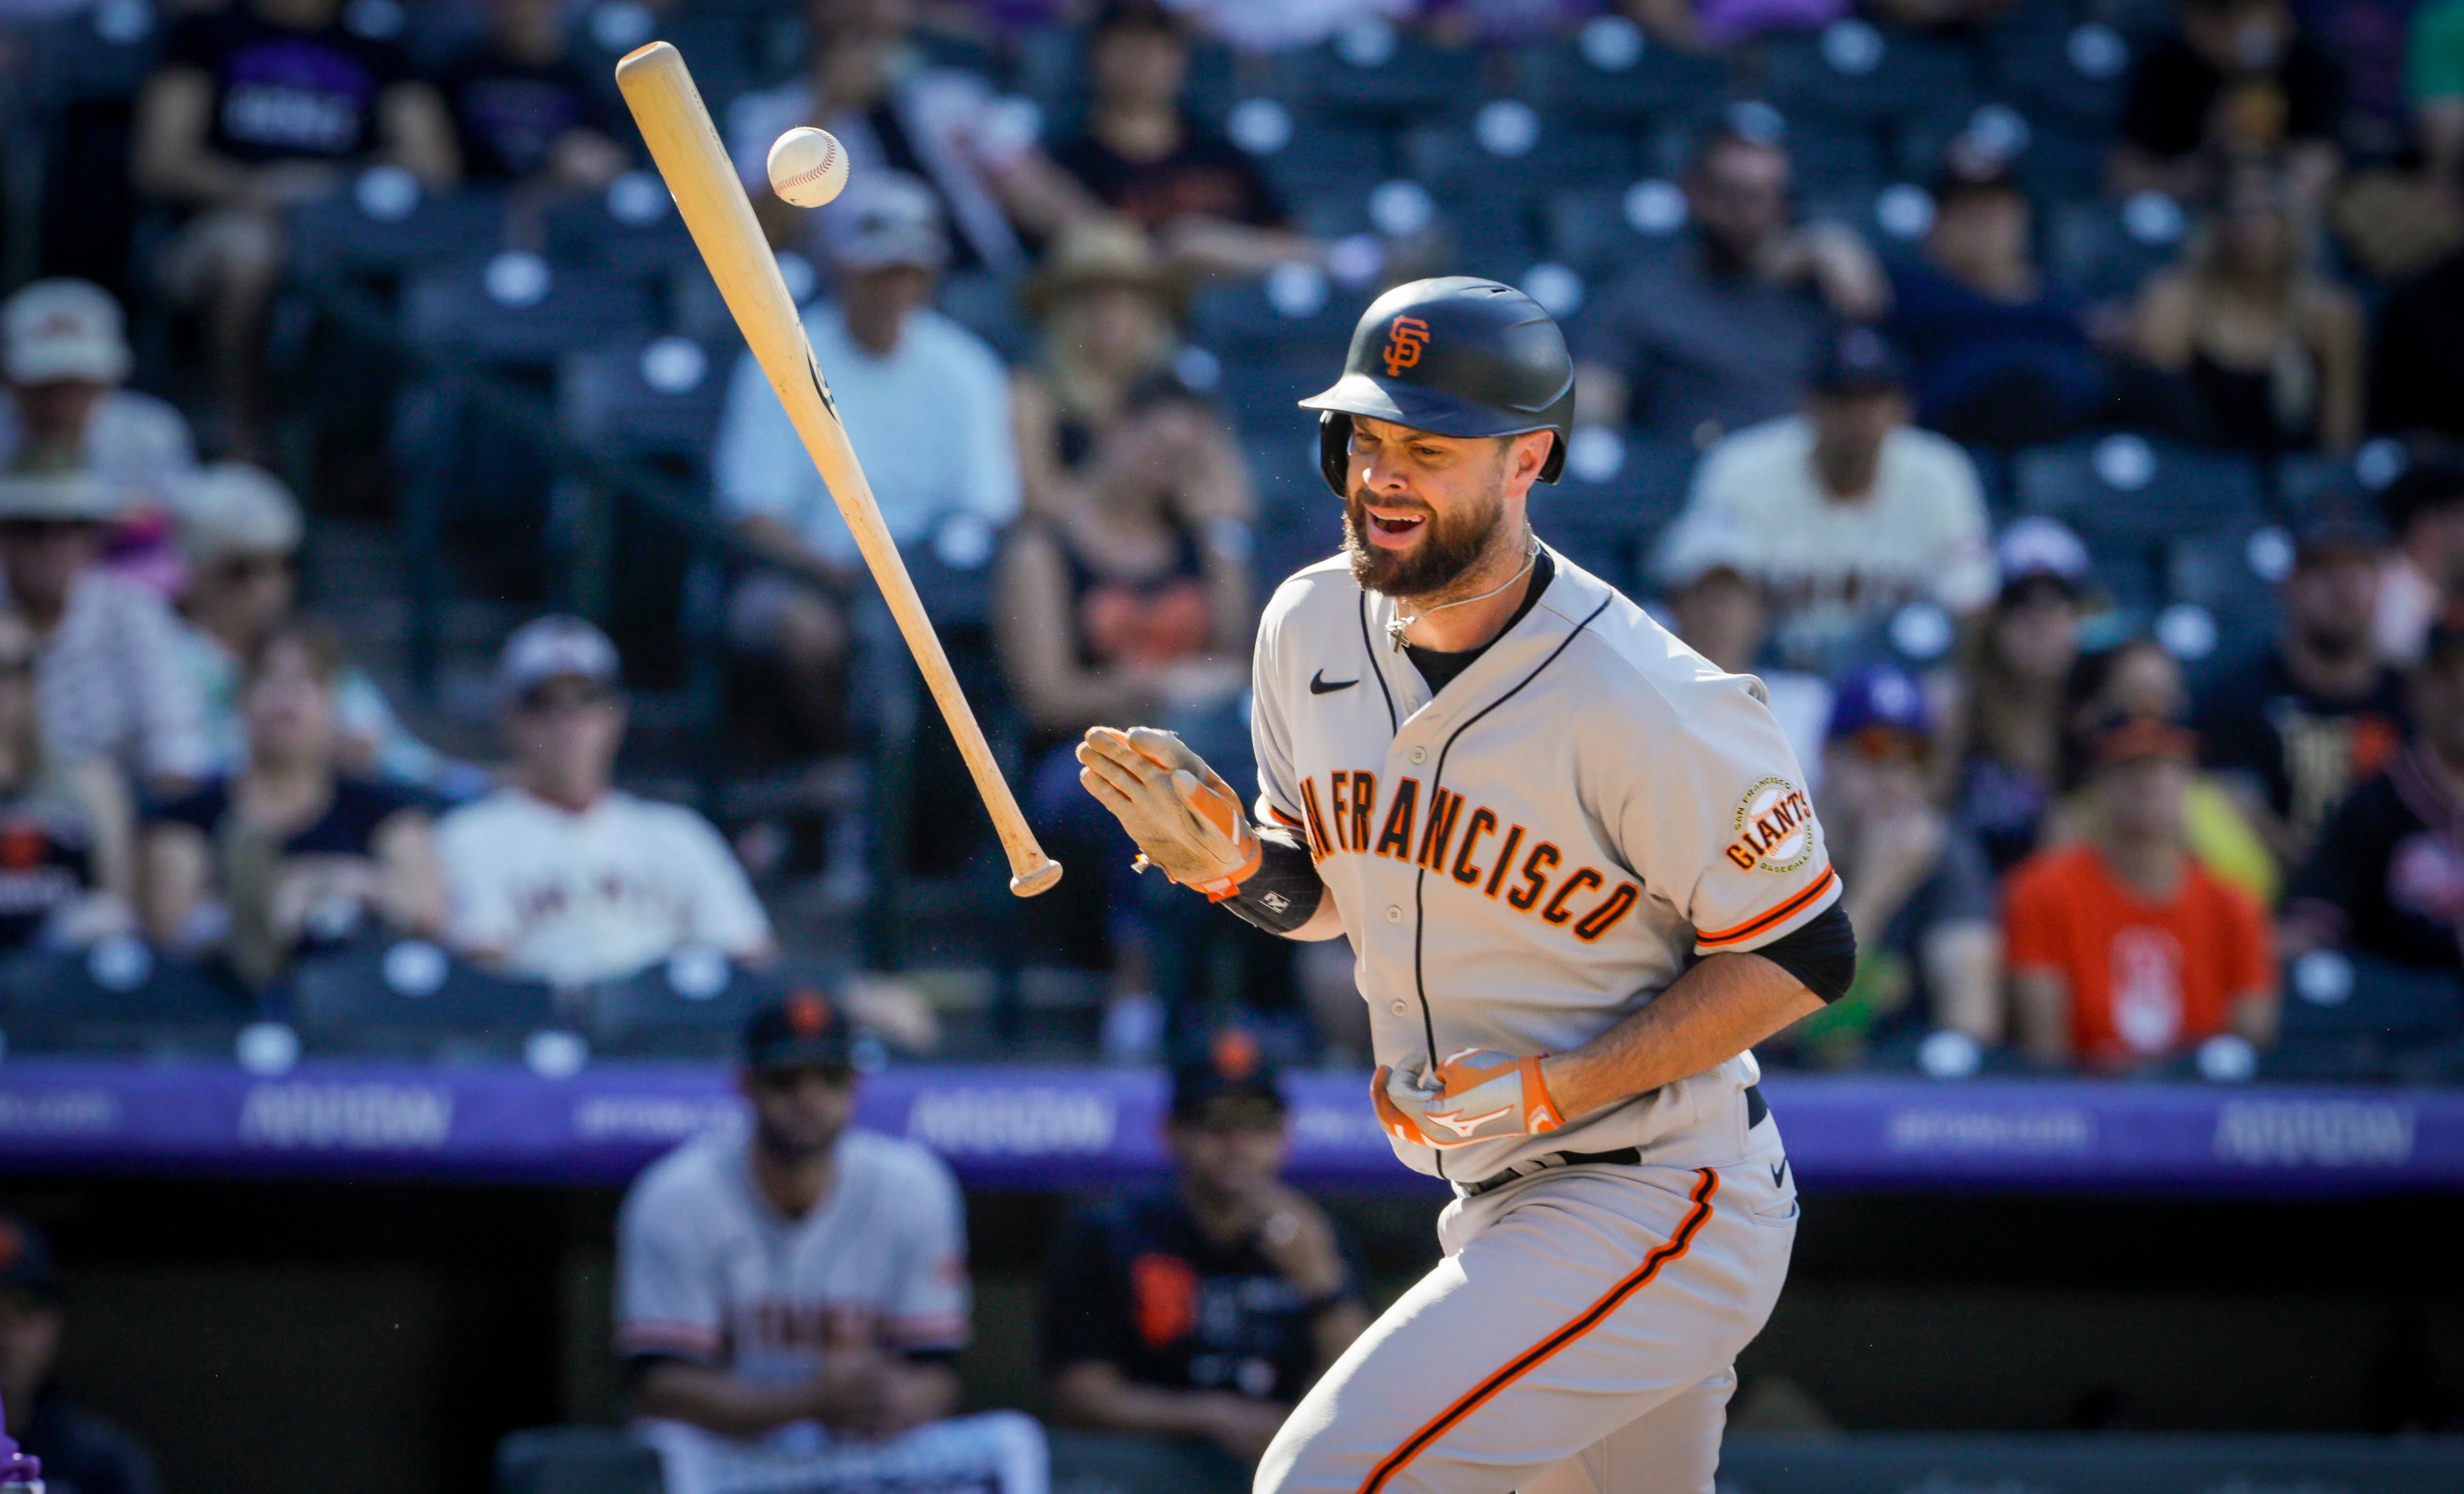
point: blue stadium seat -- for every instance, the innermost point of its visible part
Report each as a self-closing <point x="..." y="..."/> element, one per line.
<point x="96" y="52"/>
<point x="1325" y="156"/>
<point x="575" y="1460"/>
<point x="2221" y="572"/>
<point x="1261" y="396"/>
<point x="118" y="997"/>
<point x="1299" y="522"/>
<point x="1450" y="159"/>
<point x="653" y="397"/>
<point x="2351" y="1015"/>
<point x="1613" y="72"/>
<point x="1244" y="321"/>
<point x="2055" y="64"/>
<point x="518" y="309"/>
<point x="694" y="1005"/>
<point x="2130" y="490"/>
<point x="1607" y="519"/>
<point x="1834" y="156"/>
<point x="717" y="45"/>
<point x="1600" y="231"/>
<point x="1377" y="70"/>
<point x="1857" y="72"/>
<point x="339" y="237"/>
<point x="630" y="228"/>
<point x="987" y="305"/>
<point x="411" y="996"/>
<point x="2109" y="250"/>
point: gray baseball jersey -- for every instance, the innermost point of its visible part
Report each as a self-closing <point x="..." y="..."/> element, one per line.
<point x="708" y="1270"/>
<point x="1534" y="852"/>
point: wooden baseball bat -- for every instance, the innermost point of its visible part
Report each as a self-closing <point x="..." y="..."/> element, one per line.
<point x="703" y="181"/>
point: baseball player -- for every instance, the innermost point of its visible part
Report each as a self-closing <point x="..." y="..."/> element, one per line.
<point x="1581" y="879"/>
<point x="790" y="1295"/>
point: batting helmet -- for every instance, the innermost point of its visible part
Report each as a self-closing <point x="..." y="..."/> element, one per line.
<point x="1457" y="356"/>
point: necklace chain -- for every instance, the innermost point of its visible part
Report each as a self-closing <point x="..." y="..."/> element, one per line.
<point x="1395" y="627"/>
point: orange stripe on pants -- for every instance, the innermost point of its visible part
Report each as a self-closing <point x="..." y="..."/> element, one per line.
<point x="1707" y="1184"/>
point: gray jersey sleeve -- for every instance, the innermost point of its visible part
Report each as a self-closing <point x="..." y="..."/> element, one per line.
<point x="929" y="1300"/>
<point x="1714" y="814"/>
<point x="667" y="1300"/>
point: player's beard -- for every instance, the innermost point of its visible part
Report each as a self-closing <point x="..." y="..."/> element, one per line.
<point x="1447" y="551"/>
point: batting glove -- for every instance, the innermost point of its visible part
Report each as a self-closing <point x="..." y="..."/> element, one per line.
<point x="1183" y="816"/>
<point x="1475" y="1095"/>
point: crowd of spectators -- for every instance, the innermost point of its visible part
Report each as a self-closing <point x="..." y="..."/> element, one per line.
<point x="1055" y="306"/>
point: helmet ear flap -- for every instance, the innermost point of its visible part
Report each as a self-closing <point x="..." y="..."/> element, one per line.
<point x="1333" y="461"/>
<point x="1555" y="465"/>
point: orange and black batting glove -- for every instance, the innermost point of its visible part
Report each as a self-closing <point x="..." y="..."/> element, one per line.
<point x="1475" y="1095"/>
<point x="1182" y="815"/>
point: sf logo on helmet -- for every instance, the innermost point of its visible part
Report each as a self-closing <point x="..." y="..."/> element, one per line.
<point x="1405" y="337"/>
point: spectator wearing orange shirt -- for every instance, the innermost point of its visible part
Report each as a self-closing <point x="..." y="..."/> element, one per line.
<point x="2122" y="949"/>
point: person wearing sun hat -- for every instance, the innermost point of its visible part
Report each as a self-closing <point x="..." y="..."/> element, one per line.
<point x="109" y="680"/>
<point x="64" y="353"/>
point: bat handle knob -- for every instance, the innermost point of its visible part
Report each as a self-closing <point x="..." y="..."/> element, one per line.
<point x="1038" y="878"/>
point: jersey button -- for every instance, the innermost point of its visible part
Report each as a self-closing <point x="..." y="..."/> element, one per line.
<point x="1420" y="755"/>
<point x="1398" y="1008"/>
<point x="1394" y="915"/>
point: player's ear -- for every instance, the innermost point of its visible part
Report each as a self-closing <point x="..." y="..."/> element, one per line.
<point x="1524" y="456"/>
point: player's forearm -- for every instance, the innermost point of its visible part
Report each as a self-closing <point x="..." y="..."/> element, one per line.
<point x="1726" y="1004"/>
<point x="719" y="1402"/>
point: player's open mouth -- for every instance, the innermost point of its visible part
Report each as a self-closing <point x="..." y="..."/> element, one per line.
<point x="1393" y="531"/>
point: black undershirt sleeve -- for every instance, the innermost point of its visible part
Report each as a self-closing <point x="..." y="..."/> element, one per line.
<point x="1284" y="890"/>
<point x="1822" y="953"/>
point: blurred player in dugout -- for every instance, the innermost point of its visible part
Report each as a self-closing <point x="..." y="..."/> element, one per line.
<point x="1203" y="1309"/>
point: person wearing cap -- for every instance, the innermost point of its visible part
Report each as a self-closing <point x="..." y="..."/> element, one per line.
<point x="1724" y="614"/>
<point x="1142" y="155"/>
<point x="2424" y="509"/>
<point x="1919" y="888"/>
<point x="1844" y="512"/>
<point x="560" y="876"/>
<point x="1202" y="1309"/>
<point x="1998" y="349"/>
<point x="1724" y="333"/>
<point x="2292" y="729"/>
<point x="2001" y="763"/>
<point x="81" y="1452"/>
<point x="791" y="1293"/>
<point x="289" y="855"/>
<point x="108" y="674"/>
<point x="893" y="109"/>
<point x="927" y="405"/>
<point x="64" y="353"/>
<point x="2123" y="950"/>
<point x="2387" y="875"/>
<point x="239" y="537"/>
<point x="253" y="108"/>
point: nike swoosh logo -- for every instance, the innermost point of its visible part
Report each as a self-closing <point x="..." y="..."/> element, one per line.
<point x="1320" y="686"/>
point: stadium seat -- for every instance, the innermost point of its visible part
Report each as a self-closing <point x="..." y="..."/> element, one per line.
<point x="1273" y="316"/>
<point x="630" y="229"/>
<point x="1261" y="396"/>
<point x="1615" y="498"/>
<point x="1375" y="70"/>
<point x="2221" y="571"/>
<point x="1451" y="160"/>
<point x="1612" y="74"/>
<point x="694" y="1005"/>
<point x="1601" y="231"/>
<point x="1854" y="71"/>
<point x="2051" y="62"/>
<point x="1299" y="522"/>
<point x="118" y="997"/>
<point x="377" y="231"/>
<point x="518" y="309"/>
<point x="2108" y="249"/>
<point x="409" y="995"/>
<point x="987" y="305"/>
<point x="2131" y="490"/>
<point x="91" y="52"/>
<point x="650" y="396"/>
<point x="575" y="1459"/>
<point x="1326" y="156"/>
<point x="2308" y="481"/>
<point x="2351" y="1015"/>
<point x="1834" y="155"/>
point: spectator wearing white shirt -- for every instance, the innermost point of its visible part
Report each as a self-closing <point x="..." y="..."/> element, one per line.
<point x="1845" y="512"/>
<point x="108" y="679"/>
<point x="927" y="406"/>
<point x="560" y="877"/>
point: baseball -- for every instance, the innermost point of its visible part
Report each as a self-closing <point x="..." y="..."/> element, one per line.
<point x="807" y="167"/>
